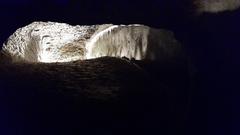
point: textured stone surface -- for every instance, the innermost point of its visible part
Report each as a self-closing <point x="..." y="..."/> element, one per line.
<point x="59" y="42"/>
<point x="102" y="78"/>
<point x="133" y="41"/>
<point x="48" y="42"/>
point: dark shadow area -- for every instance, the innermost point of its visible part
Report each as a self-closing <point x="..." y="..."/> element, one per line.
<point x="100" y="96"/>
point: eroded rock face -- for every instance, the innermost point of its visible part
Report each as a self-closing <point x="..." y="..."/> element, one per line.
<point x="48" y="42"/>
<point x="58" y="42"/>
<point x="133" y="41"/>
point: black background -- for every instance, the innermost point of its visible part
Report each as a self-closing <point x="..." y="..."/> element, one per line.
<point x="211" y="40"/>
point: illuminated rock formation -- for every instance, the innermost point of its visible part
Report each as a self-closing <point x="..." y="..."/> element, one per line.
<point x="58" y="42"/>
<point x="48" y="42"/>
<point x="132" y="41"/>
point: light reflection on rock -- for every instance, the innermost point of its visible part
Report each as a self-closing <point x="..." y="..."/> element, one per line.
<point x="59" y="42"/>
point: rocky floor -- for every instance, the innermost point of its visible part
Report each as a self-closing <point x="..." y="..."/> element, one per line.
<point x="101" y="96"/>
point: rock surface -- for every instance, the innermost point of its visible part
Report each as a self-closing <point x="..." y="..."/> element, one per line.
<point x="215" y="6"/>
<point x="77" y="97"/>
<point x="106" y="95"/>
<point x="59" y="42"/>
<point x="48" y="42"/>
<point x="102" y="78"/>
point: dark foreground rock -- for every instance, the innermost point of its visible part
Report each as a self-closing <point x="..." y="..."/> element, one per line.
<point x="100" y="96"/>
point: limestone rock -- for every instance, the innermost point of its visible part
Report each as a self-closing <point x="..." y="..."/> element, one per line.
<point x="48" y="42"/>
<point x="59" y="42"/>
